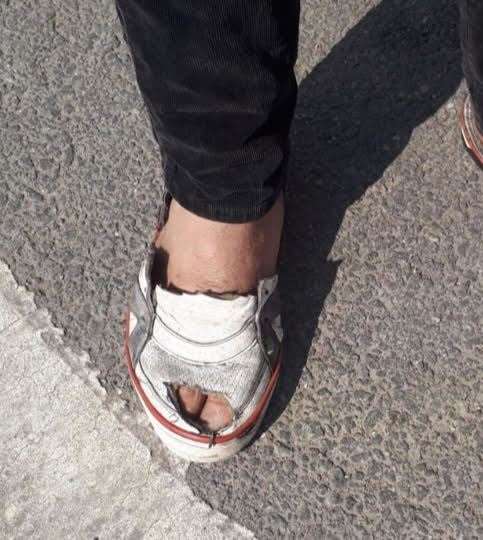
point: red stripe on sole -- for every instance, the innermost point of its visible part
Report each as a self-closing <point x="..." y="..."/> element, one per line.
<point x="468" y="138"/>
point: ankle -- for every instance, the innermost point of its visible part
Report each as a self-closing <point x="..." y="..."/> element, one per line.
<point x="204" y="255"/>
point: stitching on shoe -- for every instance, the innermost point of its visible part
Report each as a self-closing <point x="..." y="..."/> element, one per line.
<point x="191" y="362"/>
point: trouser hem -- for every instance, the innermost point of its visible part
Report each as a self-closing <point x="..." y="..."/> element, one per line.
<point x="224" y="211"/>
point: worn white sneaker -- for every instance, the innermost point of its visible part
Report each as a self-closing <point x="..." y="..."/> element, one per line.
<point x="228" y="345"/>
<point x="472" y="138"/>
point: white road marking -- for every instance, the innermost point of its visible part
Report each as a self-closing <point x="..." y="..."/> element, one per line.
<point x="68" y="467"/>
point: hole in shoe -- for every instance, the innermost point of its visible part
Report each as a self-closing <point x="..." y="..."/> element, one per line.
<point x="211" y="411"/>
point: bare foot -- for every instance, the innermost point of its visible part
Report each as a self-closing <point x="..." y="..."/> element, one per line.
<point x="209" y="256"/>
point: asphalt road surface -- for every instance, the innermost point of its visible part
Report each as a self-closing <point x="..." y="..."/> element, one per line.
<point x="376" y="428"/>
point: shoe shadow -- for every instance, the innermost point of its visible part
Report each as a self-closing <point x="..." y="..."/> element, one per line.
<point x="356" y="112"/>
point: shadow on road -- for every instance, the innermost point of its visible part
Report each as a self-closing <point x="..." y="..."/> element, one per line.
<point x="355" y="115"/>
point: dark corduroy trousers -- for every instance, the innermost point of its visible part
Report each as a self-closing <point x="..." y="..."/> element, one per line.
<point x="217" y="79"/>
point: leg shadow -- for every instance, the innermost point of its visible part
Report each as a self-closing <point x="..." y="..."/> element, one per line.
<point x="355" y="115"/>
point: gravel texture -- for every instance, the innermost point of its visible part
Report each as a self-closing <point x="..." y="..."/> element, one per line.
<point x="376" y="428"/>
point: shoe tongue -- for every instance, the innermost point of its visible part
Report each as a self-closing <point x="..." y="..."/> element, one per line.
<point x="204" y="317"/>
